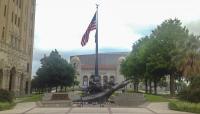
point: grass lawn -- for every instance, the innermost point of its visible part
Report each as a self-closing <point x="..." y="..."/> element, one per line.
<point x="156" y="98"/>
<point x="184" y="106"/>
<point x="6" y="105"/>
<point x="31" y="98"/>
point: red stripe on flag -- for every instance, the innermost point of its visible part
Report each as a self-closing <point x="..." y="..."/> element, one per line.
<point x="91" y="27"/>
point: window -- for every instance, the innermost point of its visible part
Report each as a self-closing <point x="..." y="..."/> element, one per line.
<point x="75" y="65"/>
<point x="112" y="79"/>
<point x="85" y="81"/>
<point x="19" y="45"/>
<point x="20" y="2"/>
<point x="31" y="33"/>
<point x="12" y="41"/>
<point x="31" y="16"/>
<point x="5" y="8"/>
<point x="15" y="19"/>
<point x="3" y="33"/>
<point x="18" y="21"/>
<point x="16" y="43"/>
<point x="12" y="17"/>
<point x="27" y="67"/>
<point x="105" y="80"/>
<point x="16" y="2"/>
<point x="24" y="26"/>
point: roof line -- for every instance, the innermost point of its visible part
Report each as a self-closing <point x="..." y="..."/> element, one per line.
<point x="107" y="53"/>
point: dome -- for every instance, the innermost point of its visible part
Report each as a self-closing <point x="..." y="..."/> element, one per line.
<point x="121" y="59"/>
<point x="75" y="59"/>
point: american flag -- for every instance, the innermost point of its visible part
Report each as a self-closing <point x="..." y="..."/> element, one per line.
<point x="92" y="26"/>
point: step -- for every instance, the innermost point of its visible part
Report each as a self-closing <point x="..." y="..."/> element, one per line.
<point x="55" y="103"/>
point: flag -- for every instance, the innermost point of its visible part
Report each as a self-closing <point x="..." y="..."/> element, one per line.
<point x="91" y="27"/>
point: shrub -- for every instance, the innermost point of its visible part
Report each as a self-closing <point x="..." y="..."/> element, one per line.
<point x="192" y="92"/>
<point x="155" y="98"/>
<point x="6" y="105"/>
<point x="6" y="96"/>
<point x="185" y="106"/>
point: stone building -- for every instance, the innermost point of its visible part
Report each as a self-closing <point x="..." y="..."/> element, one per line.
<point x="109" y="67"/>
<point x="17" y="18"/>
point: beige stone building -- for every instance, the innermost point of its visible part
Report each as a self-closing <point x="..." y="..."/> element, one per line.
<point x="17" y="19"/>
<point x="109" y="67"/>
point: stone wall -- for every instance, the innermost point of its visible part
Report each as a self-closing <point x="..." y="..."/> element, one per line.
<point x="17" y="18"/>
<point x="109" y="67"/>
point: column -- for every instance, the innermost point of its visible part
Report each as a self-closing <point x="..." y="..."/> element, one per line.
<point x="1" y="78"/>
<point x="4" y="78"/>
<point x="6" y="73"/>
<point x="29" y="87"/>
<point x="22" y="92"/>
<point x="16" y="83"/>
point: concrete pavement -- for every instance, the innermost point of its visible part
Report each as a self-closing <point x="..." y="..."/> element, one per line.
<point x="20" y="108"/>
<point x="162" y="108"/>
<point x="152" y="108"/>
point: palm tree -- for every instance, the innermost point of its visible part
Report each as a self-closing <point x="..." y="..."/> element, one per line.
<point x="189" y="57"/>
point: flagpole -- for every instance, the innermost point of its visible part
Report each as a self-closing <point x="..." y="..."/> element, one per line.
<point x="97" y="79"/>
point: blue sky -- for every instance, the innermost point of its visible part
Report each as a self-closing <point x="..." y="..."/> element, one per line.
<point x="60" y="24"/>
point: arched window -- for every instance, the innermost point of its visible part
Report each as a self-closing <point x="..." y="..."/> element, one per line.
<point x="85" y="80"/>
<point x="92" y="78"/>
<point x="74" y="65"/>
<point x="112" y="79"/>
<point x="12" y="79"/>
<point x="105" y="80"/>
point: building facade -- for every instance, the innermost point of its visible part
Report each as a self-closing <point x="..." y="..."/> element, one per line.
<point x="17" y="19"/>
<point x="109" y="67"/>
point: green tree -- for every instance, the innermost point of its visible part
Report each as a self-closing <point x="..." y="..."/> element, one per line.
<point x="134" y="67"/>
<point x="188" y="61"/>
<point x="168" y="34"/>
<point x="55" y="71"/>
<point x="168" y="50"/>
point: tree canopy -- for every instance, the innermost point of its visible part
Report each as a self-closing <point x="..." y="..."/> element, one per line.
<point x="169" y="50"/>
<point x="54" y="71"/>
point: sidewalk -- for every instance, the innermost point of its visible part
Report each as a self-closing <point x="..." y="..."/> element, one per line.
<point x="20" y="108"/>
<point x="162" y="108"/>
<point x="152" y="108"/>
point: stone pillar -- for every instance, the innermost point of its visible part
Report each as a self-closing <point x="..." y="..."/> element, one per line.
<point x="6" y="76"/>
<point x="16" y="83"/>
<point x="4" y="79"/>
<point x="1" y="79"/>
<point x="29" y="87"/>
<point x="22" y="90"/>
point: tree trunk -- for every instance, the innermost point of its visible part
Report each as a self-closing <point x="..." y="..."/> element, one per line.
<point x="155" y="86"/>
<point x="50" y="89"/>
<point x="135" y="87"/>
<point x="172" y="85"/>
<point x="146" y="85"/>
<point x="61" y="88"/>
<point x="150" y="87"/>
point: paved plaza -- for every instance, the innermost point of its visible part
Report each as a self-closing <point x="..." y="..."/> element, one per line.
<point x="31" y="108"/>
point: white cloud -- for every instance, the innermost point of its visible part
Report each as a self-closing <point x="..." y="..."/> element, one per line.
<point x="194" y="27"/>
<point x="61" y="23"/>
